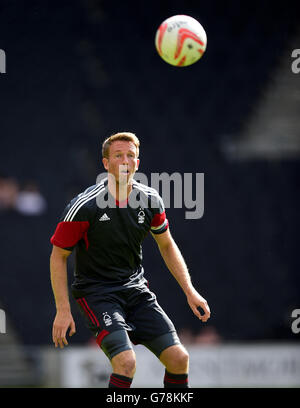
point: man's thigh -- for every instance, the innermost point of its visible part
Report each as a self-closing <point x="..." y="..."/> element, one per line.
<point x="107" y="322"/>
<point x="152" y="326"/>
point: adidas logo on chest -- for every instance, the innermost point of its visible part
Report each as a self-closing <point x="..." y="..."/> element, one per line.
<point x="104" y="217"/>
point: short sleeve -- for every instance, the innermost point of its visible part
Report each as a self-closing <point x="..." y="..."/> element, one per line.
<point x="72" y="226"/>
<point x="159" y="223"/>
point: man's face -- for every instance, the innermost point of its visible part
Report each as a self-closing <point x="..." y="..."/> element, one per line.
<point x="122" y="162"/>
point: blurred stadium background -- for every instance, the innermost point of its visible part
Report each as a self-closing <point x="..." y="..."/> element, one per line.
<point x="79" y="71"/>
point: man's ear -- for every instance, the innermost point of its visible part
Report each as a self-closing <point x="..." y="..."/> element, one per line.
<point x="137" y="164"/>
<point x="105" y="163"/>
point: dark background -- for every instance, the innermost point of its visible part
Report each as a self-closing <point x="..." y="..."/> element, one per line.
<point x="78" y="71"/>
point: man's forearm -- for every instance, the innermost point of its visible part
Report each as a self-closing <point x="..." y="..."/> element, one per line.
<point x="59" y="282"/>
<point x="177" y="266"/>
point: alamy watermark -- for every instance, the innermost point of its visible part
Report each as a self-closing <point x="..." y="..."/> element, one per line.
<point x="176" y="190"/>
<point x="2" y="322"/>
<point x="296" y="323"/>
<point x="2" y="62"/>
<point x="296" y="62"/>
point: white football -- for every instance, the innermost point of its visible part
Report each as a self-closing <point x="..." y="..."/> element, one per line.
<point x="180" y="40"/>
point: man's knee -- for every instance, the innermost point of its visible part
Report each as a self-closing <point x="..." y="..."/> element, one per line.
<point x="124" y="363"/>
<point x="175" y="358"/>
<point x="181" y="358"/>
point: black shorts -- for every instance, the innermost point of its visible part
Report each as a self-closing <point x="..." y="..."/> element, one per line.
<point x="129" y="315"/>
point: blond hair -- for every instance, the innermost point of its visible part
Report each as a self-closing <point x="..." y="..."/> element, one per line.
<point x="126" y="136"/>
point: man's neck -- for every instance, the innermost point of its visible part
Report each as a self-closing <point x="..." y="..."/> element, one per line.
<point x="119" y="191"/>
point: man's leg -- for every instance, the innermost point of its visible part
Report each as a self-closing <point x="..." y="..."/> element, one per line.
<point x="118" y="349"/>
<point x="176" y="360"/>
<point x="111" y="336"/>
<point x="123" y="365"/>
<point x="149" y="319"/>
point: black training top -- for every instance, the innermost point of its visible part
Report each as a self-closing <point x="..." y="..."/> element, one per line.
<point x="107" y="235"/>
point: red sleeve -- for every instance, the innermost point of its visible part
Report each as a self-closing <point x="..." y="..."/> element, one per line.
<point x="68" y="233"/>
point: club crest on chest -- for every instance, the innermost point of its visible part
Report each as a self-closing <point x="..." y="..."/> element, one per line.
<point x="141" y="216"/>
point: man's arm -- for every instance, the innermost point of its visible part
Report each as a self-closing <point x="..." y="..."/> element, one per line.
<point x="59" y="281"/>
<point x="177" y="266"/>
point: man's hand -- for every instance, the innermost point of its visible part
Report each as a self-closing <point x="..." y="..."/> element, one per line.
<point x="62" y="321"/>
<point x="195" y="300"/>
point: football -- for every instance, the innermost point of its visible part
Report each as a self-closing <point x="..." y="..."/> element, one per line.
<point x="180" y="40"/>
